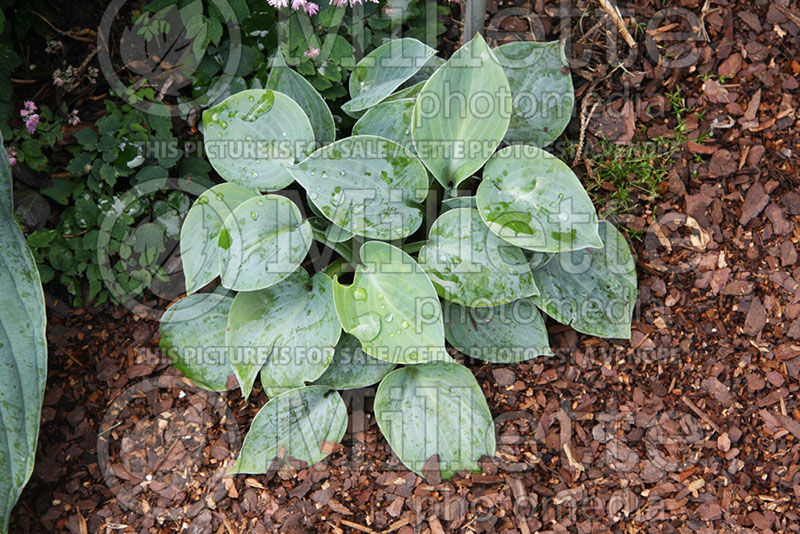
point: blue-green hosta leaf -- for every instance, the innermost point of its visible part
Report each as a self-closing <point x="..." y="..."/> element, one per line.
<point x="200" y="232"/>
<point x="435" y="408"/>
<point x="23" y="352"/>
<point x="541" y="88"/>
<point x="352" y="368"/>
<point x="509" y="333"/>
<point x="462" y="113"/>
<point x="533" y="200"/>
<point x="409" y="92"/>
<point x="391" y="120"/>
<point x="289" y="329"/>
<point x="385" y="69"/>
<point x="368" y="185"/>
<point x="193" y="335"/>
<point x="300" y="423"/>
<point x="264" y="240"/>
<point x="470" y="265"/>
<point x="253" y="135"/>
<point x="538" y="259"/>
<point x="392" y="307"/>
<point x="285" y="80"/>
<point x="460" y="202"/>
<point x="331" y="233"/>
<point x="594" y="291"/>
<point x="422" y="75"/>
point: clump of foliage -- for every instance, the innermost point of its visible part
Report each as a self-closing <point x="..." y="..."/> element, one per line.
<point x="122" y="151"/>
<point x="320" y="41"/>
<point x="434" y="235"/>
<point x="129" y="146"/>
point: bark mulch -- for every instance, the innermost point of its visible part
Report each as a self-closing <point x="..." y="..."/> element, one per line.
<point x="693" y="426"/>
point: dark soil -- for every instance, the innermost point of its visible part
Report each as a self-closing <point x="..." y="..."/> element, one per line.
<point x="693" y="426"/>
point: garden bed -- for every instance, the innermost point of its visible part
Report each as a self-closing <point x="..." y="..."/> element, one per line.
<point x="691" y="426"/>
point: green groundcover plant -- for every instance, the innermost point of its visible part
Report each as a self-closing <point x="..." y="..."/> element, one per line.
<point x="434" y="237"/>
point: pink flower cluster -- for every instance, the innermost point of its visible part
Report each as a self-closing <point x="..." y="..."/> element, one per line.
<point x="73" y="119"/>
<point x="309" y="7"/>
<point x="28" y="112"/>
<point x="12" y="155"/>
<point x="342" y="3"/>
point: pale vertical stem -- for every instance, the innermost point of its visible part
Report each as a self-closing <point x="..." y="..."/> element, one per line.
<point x="474" y="15"/>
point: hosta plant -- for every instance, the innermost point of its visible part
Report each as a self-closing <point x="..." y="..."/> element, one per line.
<point x="344" y="263"/>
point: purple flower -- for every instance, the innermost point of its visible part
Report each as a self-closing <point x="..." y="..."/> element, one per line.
<point x="31" y="123"/>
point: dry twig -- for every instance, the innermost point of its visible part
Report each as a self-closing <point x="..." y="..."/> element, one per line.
<point x="613" y="12"/>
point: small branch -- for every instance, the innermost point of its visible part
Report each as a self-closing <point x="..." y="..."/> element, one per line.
<point x="77" y="36"/>
<point x="700" y="413"/>
<point x="584" y="123"/>
<point x="613" y="12"/>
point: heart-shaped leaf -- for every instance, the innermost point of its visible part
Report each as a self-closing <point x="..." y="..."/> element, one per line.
<point x="285" y="80"/>
<point x="352" y="368"/>
<point x="289" y="329"/>
<point x="385" y="69"/>
<point x="435" y="408"/>
<point x="264" y="240"/>
<point x="252" y="136"/>
<point x="23" y="352"/>
<point x="300" y="423"/>
<point x="193" y="336"/>
<point x="392" y="307"/>
<point x="368" y="185"/>
<point x="510" y="333"/>
<point x="462" y="113"/>
<point x="200" y="250"/>
<point x="391" y="120"/>
<point x="533" y="200"/>
<point x="594" y="291"/>
<point x="541" y="87"/>
<point x="472" y="266"/>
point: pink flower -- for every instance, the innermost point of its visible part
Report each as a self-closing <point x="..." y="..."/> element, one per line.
<point x="28" y="109"/>
<point x="278" y="3"/>
<point x="311" y="52"/>
<point x="73" y="119"/>
<point x="310" y="8"/>
<point x="31" y="123"/>
<point x="342" y="3"/>
<point x="12" y="152"/>
<point x="12" y="161"/>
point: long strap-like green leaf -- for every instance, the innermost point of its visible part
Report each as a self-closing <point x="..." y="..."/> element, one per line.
<point x="23" y="352"/>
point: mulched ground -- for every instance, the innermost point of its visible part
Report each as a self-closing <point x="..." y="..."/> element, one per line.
<point x="692" y="426"/>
